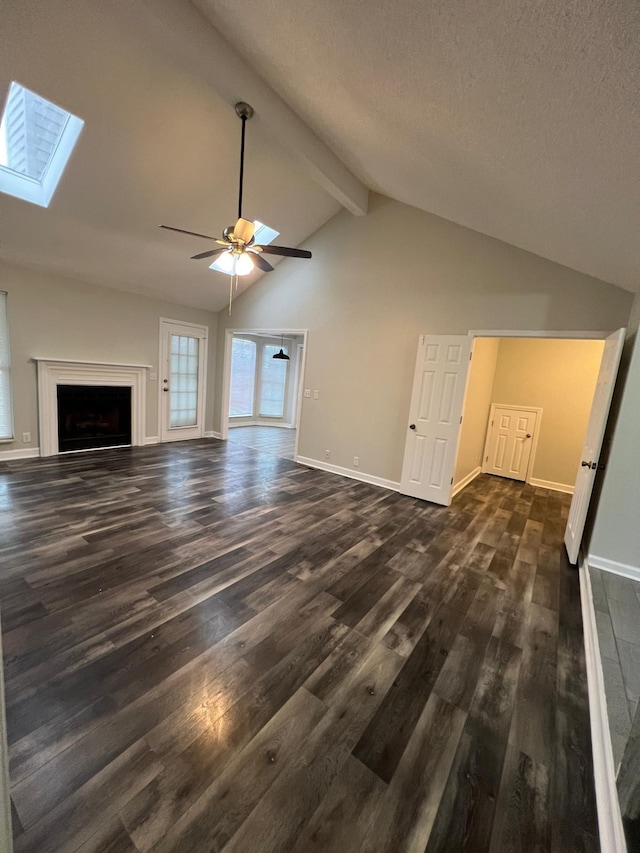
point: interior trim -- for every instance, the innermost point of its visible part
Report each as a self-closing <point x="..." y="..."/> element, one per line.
<point x="622" y="569"/>
<point x="612" y="838"/>
<point x="549" y="484"/>
<point x="461" y="484"/>
<point x="348" y="472"/>
<point x="6" y="838"/>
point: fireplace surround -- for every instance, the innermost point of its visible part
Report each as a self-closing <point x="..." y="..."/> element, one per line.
<point x="53" y="373"/>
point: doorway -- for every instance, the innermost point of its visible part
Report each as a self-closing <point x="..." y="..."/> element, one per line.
<point x="262" y="389"/>
<point x="439" y="462"/>
<point x="183" y="359"/>
<point x="511" y="442"/>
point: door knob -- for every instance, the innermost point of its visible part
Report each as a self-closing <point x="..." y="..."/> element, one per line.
<point x="585" y="464"/>
<point x="528" y="435"/>
<point x="165" y="389"/>
<point x="412" y="426"/>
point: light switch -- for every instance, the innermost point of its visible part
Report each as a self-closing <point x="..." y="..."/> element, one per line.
<point x="316" y="395"/>
<point x="307" y="392"/>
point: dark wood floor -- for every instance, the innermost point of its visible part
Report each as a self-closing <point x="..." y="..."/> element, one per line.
<point x="211" y="648"/>
<point x="279" y="441"/>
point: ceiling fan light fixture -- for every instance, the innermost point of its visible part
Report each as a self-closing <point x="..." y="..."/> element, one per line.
<point x="233" y="264"/>
<point x="244" y="264"/>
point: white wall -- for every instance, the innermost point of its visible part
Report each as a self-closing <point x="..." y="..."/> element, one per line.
<point x="374" y="284"/>
<point x="616" y="531"/>
<point x="53" y="316"/>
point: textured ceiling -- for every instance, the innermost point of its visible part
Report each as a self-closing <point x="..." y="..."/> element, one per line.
<point x="518" y="119"/>
<point x="159" y="146"/>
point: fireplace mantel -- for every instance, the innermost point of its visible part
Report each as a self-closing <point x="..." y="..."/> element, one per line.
<point x="61" y="371"/>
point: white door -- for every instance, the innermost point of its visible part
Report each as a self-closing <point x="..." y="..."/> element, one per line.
<point x="509" y="442"/>
<point x="183" y="356"/>
<point x="439" y="384"/>
<point x="593" y="443"/>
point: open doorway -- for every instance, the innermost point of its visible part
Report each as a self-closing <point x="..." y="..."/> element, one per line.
<point x="431" y="458"/>
<point x="526" y="409"/>
<point x="262" y="395"/>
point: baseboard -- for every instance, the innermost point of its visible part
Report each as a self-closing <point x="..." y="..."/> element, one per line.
<point x="19" y="453"/>
<point x="349" y="472"/>
<point x="549" y="484"/>
<point x="151" y="439"/>
<point x="612" y="838"/>
<point x="458" y="487"/>
<point x="6" y="841"/>
<point x="209" y="433"/>
<point x="631" y="572"/>
<point x="262" y="423"/>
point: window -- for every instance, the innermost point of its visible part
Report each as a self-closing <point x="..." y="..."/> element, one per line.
<point x="6" y="410"/>
<point x="184" y="381"/>
<point x="243" y="376"/>
<point x="36" y="141"/>
<point x="273" y="381"/>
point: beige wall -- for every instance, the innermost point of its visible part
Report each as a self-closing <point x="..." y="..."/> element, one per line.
<point x="560" y="378"/>
<point x="57" y="317"/>
<point x="616" y="532"/>
<point x="477" y="406"/>
<point x="374" y="284"/>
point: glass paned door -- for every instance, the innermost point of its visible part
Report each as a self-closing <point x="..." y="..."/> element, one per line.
<point x="183" y="382"/>
<point x="183" y="358"/>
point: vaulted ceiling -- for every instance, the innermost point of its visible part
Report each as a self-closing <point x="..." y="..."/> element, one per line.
<point x="517" y="118"/>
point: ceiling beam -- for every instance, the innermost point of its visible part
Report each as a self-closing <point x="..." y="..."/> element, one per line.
<point x="207" y="53"/>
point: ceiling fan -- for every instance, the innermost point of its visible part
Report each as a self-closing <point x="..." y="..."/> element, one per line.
<point x="238" y="254"/>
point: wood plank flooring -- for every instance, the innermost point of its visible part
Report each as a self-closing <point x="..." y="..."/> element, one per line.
<point x="210" y="648"/>
<point x="280" y="441"/>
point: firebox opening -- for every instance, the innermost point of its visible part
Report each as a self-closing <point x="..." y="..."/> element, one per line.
<point x="93" y="416"/>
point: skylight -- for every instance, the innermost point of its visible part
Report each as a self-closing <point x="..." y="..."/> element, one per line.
<point x="36" y="141"/>
<point x="262" y="236"/>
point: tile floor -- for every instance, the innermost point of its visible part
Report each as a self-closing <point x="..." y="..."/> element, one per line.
<point x="617" y="605"/>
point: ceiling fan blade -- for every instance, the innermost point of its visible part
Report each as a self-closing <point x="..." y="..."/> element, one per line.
<point x="210" y="254"/>
<point x="284" y="250"/>
<point x="182" y="231"/>
<point x="260" y="262"/>
<point x="243" y="230"/>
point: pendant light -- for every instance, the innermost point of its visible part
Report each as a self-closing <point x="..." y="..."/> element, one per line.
<point x="282" y="354"/>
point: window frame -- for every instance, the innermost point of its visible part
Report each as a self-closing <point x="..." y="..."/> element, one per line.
<point x="260" y="344"/>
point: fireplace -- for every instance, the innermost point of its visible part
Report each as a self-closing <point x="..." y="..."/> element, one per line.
<point x="93" y="416"/>
<point x="109" y="401"/>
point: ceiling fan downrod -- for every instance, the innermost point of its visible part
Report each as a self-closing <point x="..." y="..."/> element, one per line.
<point x="244" y="112"/>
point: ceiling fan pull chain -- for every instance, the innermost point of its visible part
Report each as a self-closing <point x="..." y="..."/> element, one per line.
<point x="230" y="292"/>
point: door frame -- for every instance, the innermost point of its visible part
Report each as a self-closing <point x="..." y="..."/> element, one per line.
<point x="534" y="443"/>
<point x="226" y="374"/>
<point x="202" y="384"/>
<point x="546" y="333"/>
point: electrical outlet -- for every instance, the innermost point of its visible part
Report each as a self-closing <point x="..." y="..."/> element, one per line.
<point x="356" y="461"/>
<point x="307" y="392"/>
<point x="316" y="395"/>
<point x="26" y="437"/>
<point x="327" y="454"/>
